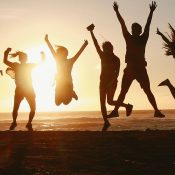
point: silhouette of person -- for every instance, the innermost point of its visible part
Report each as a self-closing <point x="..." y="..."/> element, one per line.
<point x="135" y="59"/>
<point x="64" y="86"/>
<point x="170" y="86"/>
<point x="1" y="72"/>
<point x="21" y="72"/>
<point x="169" y="44"/>
<point x="110" y="66"/>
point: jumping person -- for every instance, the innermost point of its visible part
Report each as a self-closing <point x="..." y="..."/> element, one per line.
<point x="169" y="44"/>
<point x="135" y="60"/>
<point x="64" y="86"/>
<point x="169" y="85"/>
<point x="110" y="66"/>
<point x="21" y="72"/>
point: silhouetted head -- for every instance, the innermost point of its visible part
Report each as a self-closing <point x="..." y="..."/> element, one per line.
<point x="136" y="29"/>
<point x="62" y="52"/>
<point x="107" y="47"/>
<point x="22" y="56"/>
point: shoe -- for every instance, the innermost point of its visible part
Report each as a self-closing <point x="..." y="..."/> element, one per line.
<point x="113" y="114"/>
<point x="13" y="126"/>
<point x="106" y="126"/>
<point x="29" y="126"/>
<point x="164" y="83"/>
<point x="158" y="114"/>
<point x="129" y="109"/>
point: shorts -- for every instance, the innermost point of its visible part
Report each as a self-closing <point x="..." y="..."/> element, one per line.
<point x="138" y="73"/>
<point x="23" y="93"/>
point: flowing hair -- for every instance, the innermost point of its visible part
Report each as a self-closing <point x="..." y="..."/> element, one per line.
<point x="170" y="47"/>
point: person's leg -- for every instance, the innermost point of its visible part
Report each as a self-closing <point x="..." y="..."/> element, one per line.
<point x="103" y="108"/>
<point x="58" y="99"/>
<point x="112" y="102"/>
<point x="145" y="85"/>
<point x="110" y="93"/>
<point x="169" y="85"/>
<point x="17" y="100"/>
<point x="103" y="103"/>
<point x="67" y="100"/>
<point x="74" y="95"/>
<point x="32" y="103"/>
<point x="127" y="80"/>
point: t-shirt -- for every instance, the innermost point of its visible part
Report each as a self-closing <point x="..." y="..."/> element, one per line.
<point x="23" y="75"/>
<point x="64" y="69"/>
<point x="110" y="65"/>
<point x="135" y="49"/>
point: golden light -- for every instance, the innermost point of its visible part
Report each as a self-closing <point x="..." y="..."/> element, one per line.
<point x="43" y="77"/>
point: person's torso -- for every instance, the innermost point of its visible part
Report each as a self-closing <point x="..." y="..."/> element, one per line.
<point x="135" y="49"/>
<point x="64" y="69"/>
<point x="110" y="65"/>
<point x="23" y="77"/>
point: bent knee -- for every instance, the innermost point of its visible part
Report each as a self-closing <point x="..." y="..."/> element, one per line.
<point x="67" y="101"/>
<point x="110" y="101"/>
<point x="58" y="102"/>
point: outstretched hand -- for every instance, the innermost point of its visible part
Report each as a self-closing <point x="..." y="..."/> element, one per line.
<point x="8" y="50"/>
<point x="153" y="6"/>
<point x="158" y="31"/>
<point x="115" y="6"/>
<point x="85" y="42"/>
<point x="46" y="37"/>
<point x="43" y="57"/>
<point x="91" y="27"/>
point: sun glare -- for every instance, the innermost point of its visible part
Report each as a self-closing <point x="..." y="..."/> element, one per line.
<point x="44" y="80"/>
<point x="43" y="77"/>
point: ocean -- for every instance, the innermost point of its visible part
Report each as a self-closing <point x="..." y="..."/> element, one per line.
<point x="91" y="121"/>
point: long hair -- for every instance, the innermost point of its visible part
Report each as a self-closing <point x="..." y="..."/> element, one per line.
<point x="170" y="48"/>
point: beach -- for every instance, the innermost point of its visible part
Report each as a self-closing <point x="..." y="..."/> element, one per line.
<point x="76" y="146"/>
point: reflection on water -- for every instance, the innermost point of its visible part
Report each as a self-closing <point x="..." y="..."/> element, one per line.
<point x="84" y="121"/>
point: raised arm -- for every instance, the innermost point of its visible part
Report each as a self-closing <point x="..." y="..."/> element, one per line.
<point x="80" y="51"/>
<point x="50" y="46"/>
<point x="6" y="61"/>
<point x="122" y="22"/>
<point x="152" y="6"/>
<point x="91" y="28"/>
<point x="163" y="36"/>
<point x="43" y="56"/>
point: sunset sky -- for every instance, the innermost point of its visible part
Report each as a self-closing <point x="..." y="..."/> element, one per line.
<point x="25" y="22"/>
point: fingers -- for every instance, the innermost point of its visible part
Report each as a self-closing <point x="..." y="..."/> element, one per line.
<point x="153" y="5"/>
<point x="46" y="37"/>
<point x="158" y="31"/>
<point x="8" y="49"/>
<point x="115" y="6"/>
<point x="86" y="42"/>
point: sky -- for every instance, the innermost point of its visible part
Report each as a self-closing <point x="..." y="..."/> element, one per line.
<point x="25" y="23"/>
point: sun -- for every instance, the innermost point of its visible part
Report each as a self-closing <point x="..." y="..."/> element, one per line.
<point x="43" y="77"/>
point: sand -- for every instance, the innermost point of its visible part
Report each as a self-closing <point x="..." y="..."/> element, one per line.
<point x="87" y="153"/>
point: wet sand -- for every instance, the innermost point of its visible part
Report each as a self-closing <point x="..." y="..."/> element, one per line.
<point x="87" y="153"/>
